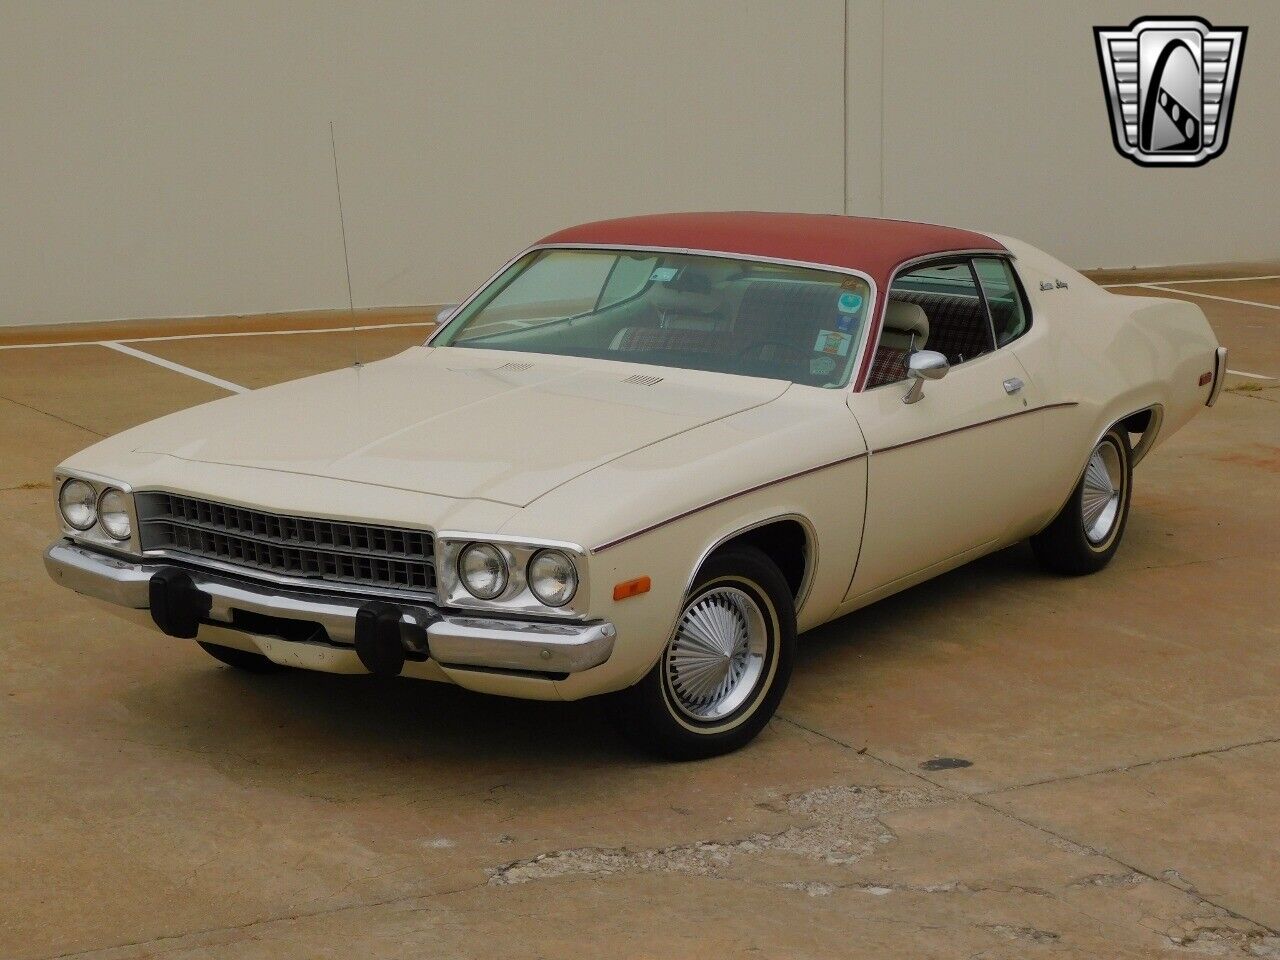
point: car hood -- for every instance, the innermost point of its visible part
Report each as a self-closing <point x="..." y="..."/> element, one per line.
<point x="460" y="423"/>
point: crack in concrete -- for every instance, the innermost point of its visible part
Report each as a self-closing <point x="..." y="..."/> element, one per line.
<point x="189" y="939"/>
<point x="978" y="799"/>
<point x="1125" y="768"/>
<point x="844" y="827"/>
<point x="46" y="413"/>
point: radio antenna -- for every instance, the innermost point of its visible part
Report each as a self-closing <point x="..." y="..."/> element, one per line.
<point x="342" y="222"/>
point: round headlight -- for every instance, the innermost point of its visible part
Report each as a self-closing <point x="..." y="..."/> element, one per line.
<point x="483" y="570"/>
<point x="78" y="504"/>
<point x="113" y="513"/>
<point x="552" y="577"/>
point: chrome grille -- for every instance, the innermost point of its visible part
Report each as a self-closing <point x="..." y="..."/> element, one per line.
<point x="331" y="550"/>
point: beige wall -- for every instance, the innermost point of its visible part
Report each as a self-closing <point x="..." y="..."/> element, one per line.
<point x="994" y="118"/>
<point x="164" y="159"/>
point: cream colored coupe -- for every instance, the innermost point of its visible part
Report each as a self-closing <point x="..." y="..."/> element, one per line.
<point x="642" y="458"/>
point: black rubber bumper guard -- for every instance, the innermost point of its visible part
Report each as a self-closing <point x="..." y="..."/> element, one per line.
<point x="384" y="639"/>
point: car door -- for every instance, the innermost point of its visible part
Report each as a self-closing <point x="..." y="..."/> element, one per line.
<point x="952" y="473"/>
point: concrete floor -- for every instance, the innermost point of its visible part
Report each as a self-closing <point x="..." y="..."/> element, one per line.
<point x="1122" y="731"/>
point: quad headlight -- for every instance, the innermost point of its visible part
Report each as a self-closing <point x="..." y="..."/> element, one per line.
<point x="514" y="575"/>
<point x="78" y="504"/>
<point x="552" y="577"/>
<point x="483" y="570"/>
<point x="113" y="513"/>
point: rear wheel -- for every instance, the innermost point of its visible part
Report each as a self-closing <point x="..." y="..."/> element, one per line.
<point x="726" y="666"/>
<point x="240" y="659"/>
<point x="1086" y="533"/>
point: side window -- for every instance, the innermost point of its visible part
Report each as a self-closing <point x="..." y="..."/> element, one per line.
<point x="937" y="307"/>
<point x="628" y="277"/>
<point x="1004" y="298"/>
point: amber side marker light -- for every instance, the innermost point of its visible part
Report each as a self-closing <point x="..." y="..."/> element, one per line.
<point x="631" y="588"/>
<point x="1206" y="377"/>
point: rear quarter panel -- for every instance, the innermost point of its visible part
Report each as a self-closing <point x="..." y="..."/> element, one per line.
<point x="1111" y="355"/>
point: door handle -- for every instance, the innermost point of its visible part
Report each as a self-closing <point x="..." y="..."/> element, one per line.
<point x="1013" y="385"/>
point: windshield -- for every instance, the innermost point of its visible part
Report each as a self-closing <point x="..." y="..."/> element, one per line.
<point x="671" y="309"/>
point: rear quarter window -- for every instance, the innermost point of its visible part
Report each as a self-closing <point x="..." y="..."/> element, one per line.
<point x="1010" y="318"/>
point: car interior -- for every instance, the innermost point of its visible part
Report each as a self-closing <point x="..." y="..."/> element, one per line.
<point x="940" y="308"/>
<point x="757" y="320"/>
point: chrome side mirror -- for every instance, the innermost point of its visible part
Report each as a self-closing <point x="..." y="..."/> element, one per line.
<point x="445" y="313"/>
<point x="924" y="365"/>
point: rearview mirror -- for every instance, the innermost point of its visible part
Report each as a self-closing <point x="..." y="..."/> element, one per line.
<point x="924" y="365"/>
<point x="444" y="314"/>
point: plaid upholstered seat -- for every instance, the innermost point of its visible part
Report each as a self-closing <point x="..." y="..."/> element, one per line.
<point x="958" y="326"/>
<point x="789" y="313"/>
<point x="888" y="366"/>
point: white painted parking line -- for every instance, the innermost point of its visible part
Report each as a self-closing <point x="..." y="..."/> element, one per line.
<point x="1251" y="376"/>
<point x="1209" y="296"/>
<point x="216" y="336"/>
<point x="177" y="367"/>
<point x="1270" y="276"/>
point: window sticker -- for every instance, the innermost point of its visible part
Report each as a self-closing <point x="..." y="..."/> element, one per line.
<point x="833" y="343"/>
<point x="846" y="322"/>
<point x="664" y="274"/>
<point x="822" y="366"/>
<point x="850" y="283"/>
<point x="849" y="302"/>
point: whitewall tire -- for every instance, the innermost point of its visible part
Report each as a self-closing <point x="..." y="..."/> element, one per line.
<point x="725" y="666"/>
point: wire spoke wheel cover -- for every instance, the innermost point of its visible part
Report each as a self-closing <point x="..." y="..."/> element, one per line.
<point x="1101" y="492"/>
<point x="714" y="662"/>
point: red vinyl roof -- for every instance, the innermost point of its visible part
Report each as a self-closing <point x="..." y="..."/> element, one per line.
<point x="868" y="244"/>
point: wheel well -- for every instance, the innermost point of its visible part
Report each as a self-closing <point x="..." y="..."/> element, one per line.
<point x="785" y="542"/>
<point x="1145" y="425"/>
<point x="1137" y="422"/>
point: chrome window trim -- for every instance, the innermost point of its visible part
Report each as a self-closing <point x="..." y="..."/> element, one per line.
<point x="872" y="288"/>
<point x="858" y="383"/>
<point x="1022" y="292"/>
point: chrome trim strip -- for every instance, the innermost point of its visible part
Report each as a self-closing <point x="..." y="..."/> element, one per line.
<point x="194" y="562"/>
<point x="974" y="426"/>
<point x="810" y="562"/>
<point x="715" y="503"/>
<point x="512" y="645"/>
<point x="484" y="642"/>
<point x="1219" y="375"/>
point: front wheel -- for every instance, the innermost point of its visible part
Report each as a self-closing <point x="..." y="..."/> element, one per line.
<point x="724" y="669"/>
<point x="1086" y="533"/>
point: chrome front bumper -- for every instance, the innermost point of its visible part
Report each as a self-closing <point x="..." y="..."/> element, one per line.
<point x="453" y="639"/>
